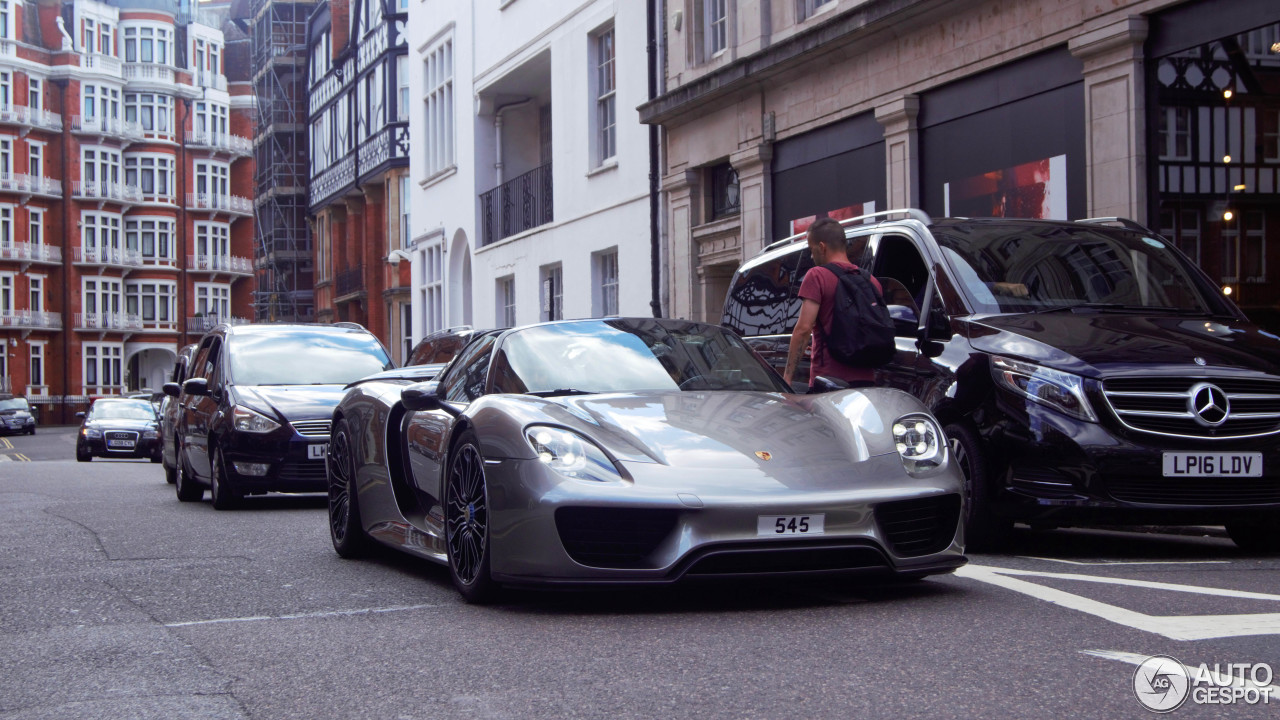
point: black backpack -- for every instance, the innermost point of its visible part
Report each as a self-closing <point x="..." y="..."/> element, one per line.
<point x="861" y="333"/>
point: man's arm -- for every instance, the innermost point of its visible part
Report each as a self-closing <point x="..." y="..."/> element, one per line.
<point x="800" y="337"/>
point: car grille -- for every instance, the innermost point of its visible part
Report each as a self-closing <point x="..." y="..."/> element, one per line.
<point x="1160" y="405"/>
<point x="313" y="428"/>
<point x="120" y="435"/>
<point x="613" y="537"/>
<point x="919" y="527"/>
<point x="1196" y="491"/>
<point x="302" y="471"/>
<point x="758" y="560"/>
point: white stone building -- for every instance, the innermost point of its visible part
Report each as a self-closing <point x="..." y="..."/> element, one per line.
<point x="529" y="166"/>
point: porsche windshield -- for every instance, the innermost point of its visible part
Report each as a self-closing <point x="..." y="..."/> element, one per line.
<point x="1019" y="267"/>
<point x="597" y="356"/>
<point x="319" y="356"/>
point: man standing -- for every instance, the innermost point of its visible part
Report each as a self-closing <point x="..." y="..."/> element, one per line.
<point x="827" y="244"/>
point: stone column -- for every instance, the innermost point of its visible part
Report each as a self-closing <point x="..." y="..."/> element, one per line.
<point x="902" y="151"/>
<point x="683" y="195"/>
<point x="755" y="196"/>
<point x="1115" y="118"/>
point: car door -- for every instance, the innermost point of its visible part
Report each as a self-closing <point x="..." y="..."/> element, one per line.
<point x="201" y="410"/>
<point x="428" y="432"/>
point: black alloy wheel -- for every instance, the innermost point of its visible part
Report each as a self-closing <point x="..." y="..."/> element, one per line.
<point x="222" y="492"/>
<point x="983" y="530"/>
<point x="184" y="485"/>
<point x="466" y="503"/>
<point x="345" y="528"/>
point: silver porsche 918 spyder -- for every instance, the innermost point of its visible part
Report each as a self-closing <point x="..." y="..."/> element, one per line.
<point x="613" y="451"/>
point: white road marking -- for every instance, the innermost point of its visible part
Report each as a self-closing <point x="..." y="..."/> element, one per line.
<point x="1176" y="627"/>
<point x="1126" y="562"/>
<point x="1220" y="679"/>
<point x="301" y="616"/>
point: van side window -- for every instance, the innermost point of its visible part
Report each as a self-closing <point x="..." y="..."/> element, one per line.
<point x="763" y="300"/>
<point x="902" y="272"/>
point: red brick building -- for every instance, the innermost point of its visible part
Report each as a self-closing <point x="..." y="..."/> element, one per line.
<point x="124" y="229"/>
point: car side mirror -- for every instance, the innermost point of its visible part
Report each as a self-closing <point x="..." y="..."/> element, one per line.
<point x="196" y="386"/>
<point x="425" y="396"/>
<point x="939" y="326"/>
<point x="79" y="416"/>
<point x="172" y="389"/>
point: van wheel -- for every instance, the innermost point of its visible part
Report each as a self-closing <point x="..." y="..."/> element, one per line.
<point x="983" y="530"/>
<point x="1255" y="536"/>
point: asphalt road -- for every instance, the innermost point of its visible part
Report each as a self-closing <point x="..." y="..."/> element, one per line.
<point x="117" y="601"/>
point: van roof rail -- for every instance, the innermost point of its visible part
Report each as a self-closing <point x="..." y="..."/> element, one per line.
<point x="1122" y="222"/>
<point x="913" y="213"/>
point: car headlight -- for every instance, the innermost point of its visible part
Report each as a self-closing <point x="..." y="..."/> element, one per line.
<point x="252" y="421"/>
<point x="570" y="454"/>
<point x="92" y="433"/>
<point x="151" y="434"/>
<point x="1061" y="391"/>
<point x="919" y="442"/>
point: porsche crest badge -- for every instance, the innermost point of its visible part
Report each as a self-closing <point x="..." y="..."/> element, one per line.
<point x="764" y="455"/>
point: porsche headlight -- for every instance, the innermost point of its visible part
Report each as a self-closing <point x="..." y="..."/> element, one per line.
<point x="1061" y="391"/>
<point x="252" y="421"/>
<point x="919" y="443"/>
<point x="570" y="454"/>
<point x="92" y="433"/>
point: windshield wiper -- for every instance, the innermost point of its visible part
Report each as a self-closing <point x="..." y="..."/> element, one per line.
<point x="561" y="391"/>
<point x="1117" y="307"/>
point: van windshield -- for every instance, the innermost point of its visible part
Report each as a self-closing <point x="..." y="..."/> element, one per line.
<point x="1020" y="268"/>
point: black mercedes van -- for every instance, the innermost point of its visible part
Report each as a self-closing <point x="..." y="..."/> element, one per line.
<point x="1086" y="372"/>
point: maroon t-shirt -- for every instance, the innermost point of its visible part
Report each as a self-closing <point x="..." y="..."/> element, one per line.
<point x="819" y="285"/>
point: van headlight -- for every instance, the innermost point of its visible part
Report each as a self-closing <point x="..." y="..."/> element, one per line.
<point x="919" y="442"/>
<point x="252" y="421"/>
<point x="1061" y="391"/>
<point x="570" y="454"/>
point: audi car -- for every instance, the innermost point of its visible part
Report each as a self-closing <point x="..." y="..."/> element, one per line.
<point x="254" y="413"/>
<point x="118" y="428"/>
<point x="650" y="451"/>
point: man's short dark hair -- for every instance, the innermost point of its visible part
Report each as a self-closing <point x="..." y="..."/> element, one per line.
<point x="828" y="231"/>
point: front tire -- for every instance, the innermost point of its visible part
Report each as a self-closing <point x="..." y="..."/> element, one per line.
<point x="983" y="529"/>
<point x="466" y="503"/>
<point x="1255" y="536"/>
<point x="345" y="526"/>
<point x="221" y="491"/>
<point x="83" y="455"/>
<point x="186" y="487"/>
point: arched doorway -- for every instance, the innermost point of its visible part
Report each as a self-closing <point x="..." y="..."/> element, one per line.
<point x="460" y="280"/>
<point x="149" y="365"/>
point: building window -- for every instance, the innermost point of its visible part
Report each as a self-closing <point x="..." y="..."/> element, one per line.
<point x="210" y="120"/>
<point x="152" y="238"/>
<point x="724" y="191"/>
<point x="152" y="301"/>
<point x="606" y="277"/>
<point x="433" y="289"/>
<point x="6" y="156"/>
<point x="716" y="26"/>
<point x="1183" y="227"/>
<point x="6" y="294"/>
<point x="809" y="8"/>
<point x="102" y="370"/>
<point x="404" y="212"/>
<point x="100" y="300"/>
<point x="213" y="300"/>
<point x="438" y="107"/>
<point x="148" y="45"/>
<point x="507" y="301"/>
<point x="34" y="93"/>
<point x="35" y="227"/>
<point x="6" y="20"/>
<point x="553" y="292"/>
<point x="322" y="247"/>
<point x="35" y="287"/>
<point x="212" y="179"/>
<point x="1269" y="133"/>
<point x="101" y="102"/>
<point x="213" y="245"/>
<point x="6" y="226"/>
<point x="1245" y="248"/>
<point x="100" y="235"/>
<point x="35" y="365"/>
<point x="604" y="88"/>
<point x="35" y="158"/>
<point x="402" y="82"/>
<point x="100" y="166"/>
<point x="1174" y="134"/>
<point x="153" y="112"/>
<point x="153" y="174"/>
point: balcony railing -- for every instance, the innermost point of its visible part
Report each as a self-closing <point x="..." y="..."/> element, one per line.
<point x="36" y="117"/>
<point x="104" y="190"/>
<point x="105" y="63"/>
<point x="350" y="281"/>
<point x="205" y="323"/>
<point x="221" y="141"/>
<point x="30" y="320"/>
<point x="100" y="390"/>
<point x="108" y="321"/>
<point x="148" y="72"/>
<point x="30" y="252"/>
<point x="30" y="184"/>
<point x="215" y="263"/>
<point x="114" y="127"/>
<point x="227" y="203"/>
<point x="517" y="205"/>
<point x="213" y="81"/>
<point x="125" y="257"/>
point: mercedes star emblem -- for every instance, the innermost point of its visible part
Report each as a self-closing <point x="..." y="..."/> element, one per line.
<point x="1208" y="405"/>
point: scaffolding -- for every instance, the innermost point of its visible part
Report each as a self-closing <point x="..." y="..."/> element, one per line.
<point x="283" y="258"/>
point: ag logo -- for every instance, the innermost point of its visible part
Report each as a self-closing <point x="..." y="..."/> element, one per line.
<point x="1161" y="684"/>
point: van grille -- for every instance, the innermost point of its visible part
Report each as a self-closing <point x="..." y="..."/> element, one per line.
<point x="313" y="428"/>
<point x="1160" y="405"/>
